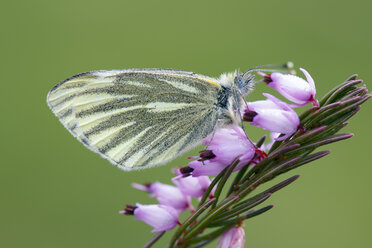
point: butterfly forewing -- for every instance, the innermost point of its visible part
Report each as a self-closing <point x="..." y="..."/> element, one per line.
<point x="137" y="118"/>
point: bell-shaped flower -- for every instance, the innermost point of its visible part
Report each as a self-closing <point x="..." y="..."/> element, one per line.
<point x="292" y="87"/>
<point x="191" y="186"/>
<point x="167" y="195"/>
<point x="161" y="217"/>
<point x="273" y="115"/>
<point x="232" y="238"/>
<point x="226" y="145"/>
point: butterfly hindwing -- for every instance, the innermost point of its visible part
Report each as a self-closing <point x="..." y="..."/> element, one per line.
<point x="137" y="118"/>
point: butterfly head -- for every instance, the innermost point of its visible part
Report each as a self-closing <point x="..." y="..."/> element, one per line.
<point x="244" y="82"/>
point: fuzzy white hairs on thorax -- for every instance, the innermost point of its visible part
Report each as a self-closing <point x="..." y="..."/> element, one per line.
<point x="227" y="79"/>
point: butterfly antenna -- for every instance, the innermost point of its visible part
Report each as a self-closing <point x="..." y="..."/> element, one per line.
<point x="239" y="113"/>
<point x="241" y="95"/>
<point x="287" y="67"/>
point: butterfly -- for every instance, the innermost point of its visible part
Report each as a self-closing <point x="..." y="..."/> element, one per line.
<point x="139" y="118"/>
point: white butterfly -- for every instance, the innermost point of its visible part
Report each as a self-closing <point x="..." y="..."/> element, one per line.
<point x="140" y="118"/>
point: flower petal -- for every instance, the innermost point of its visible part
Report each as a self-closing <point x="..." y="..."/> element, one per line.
<point x="160" y="217"/>
<point x="232" y="238"/>
<point x="192" y="186"/>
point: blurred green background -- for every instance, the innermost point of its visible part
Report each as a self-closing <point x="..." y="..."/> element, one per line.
<point x="57" y="193"/>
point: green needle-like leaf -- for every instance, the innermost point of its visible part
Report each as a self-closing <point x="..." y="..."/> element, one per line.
<point x="189" y="220"/>
<point x="242" y="207"/>
<point x="239" y="219"/>
<point x="210" y="216"/>
<point x="209" y="236"/>
<point x="319" y="126"/>
<point x="223" y="180"/>
<point x="327" y="96"/>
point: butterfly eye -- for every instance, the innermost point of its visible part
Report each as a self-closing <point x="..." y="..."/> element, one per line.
<point x="244" y="82"/>
<point x="239" y="81"/>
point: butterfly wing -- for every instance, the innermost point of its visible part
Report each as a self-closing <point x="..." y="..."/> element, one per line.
<point x="137" y="118"/>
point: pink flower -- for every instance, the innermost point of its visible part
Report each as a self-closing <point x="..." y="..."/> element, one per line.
<point x="232" y="238"/>
<point x="161" y="217"/>
<point x="292" y="87"/>
<point x="226" y="145"/>
<point x="191" y="186"/>
<point x="167" y="195"/>
<point x="273" y="115"/>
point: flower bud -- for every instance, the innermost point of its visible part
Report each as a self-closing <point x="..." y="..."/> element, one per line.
<point x="167" y="195"/>
<point x="227" y="144"/>
<point x="273" y="115"/>
<point x="292" y="87"/>
<point x="232" y="238"/>
<point x="161" y="217"/>
<point x="191" y="186"/>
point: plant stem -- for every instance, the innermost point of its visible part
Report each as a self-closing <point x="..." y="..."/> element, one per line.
<point x="153" y="240"/>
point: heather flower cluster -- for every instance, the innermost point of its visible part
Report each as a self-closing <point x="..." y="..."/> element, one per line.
<point x="173" y="200"/>
<point x="271" y="114"/>
<point x="229" y="149"/>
